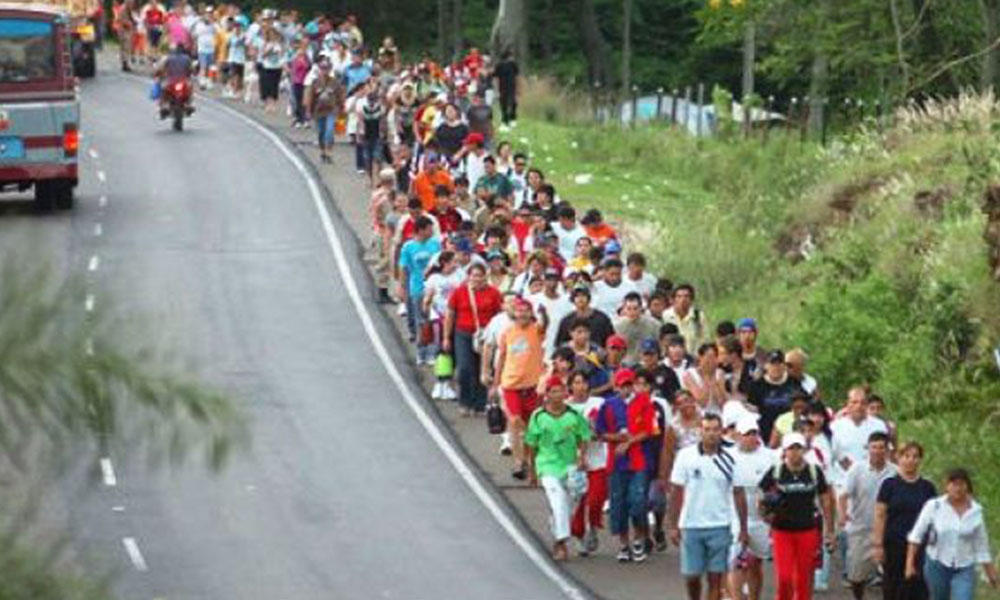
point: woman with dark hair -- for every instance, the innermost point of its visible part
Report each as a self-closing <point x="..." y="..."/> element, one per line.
<point x="899" y="501"/>
<point x="451" y="132"/>
<point x="951" y="529"/>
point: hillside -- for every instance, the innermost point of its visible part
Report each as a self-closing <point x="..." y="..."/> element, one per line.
<point x="869" y="253"/>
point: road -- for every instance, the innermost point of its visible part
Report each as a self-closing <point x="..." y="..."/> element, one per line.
<point x="209" y="243"/>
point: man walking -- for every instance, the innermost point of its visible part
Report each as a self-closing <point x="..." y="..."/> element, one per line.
<point x="506" y="73"/>
<point x="701" y="506"/>
<point x="856" y="510"/>
<point x="414" y="257"/>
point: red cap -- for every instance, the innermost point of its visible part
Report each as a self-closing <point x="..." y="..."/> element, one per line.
<point x="474" y="138"/>
<point x="554" y="381"/>
<point x="624" y="377"/>
<point x="617" y="341"/>
<point x="522" y="303"/>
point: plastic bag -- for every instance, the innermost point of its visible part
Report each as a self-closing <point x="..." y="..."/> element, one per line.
<point x="155" y="91"/>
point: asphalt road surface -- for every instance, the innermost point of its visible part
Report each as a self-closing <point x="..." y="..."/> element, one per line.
<point x="211" y="241"/>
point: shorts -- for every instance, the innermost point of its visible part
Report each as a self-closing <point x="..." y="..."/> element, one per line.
<point x="705" y="550"/>
<point x="154" y="33"/>
<point x="520" y="403"/>
<point x="236" y="69"/>
<point x="860" y="566"/>
<point x="206" y="60"/>
<point x="759" y="544"/>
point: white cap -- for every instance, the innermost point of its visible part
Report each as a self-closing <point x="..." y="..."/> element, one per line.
<point x="746" y="424"/>
<point x="793" y="439"/>
<point x="732" y="412"/>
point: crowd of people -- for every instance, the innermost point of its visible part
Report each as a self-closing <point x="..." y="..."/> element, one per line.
<point x="615" y="391"/>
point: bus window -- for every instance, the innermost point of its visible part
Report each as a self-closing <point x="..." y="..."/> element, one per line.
<point x="27" y="50"/>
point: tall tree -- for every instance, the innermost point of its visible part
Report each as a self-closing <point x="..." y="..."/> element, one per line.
<point x="595" y="47"/>
<point x="990" y="11"/>
<point x="510" y="30"/>
<point x="626" y="47"/>
<point x="749" y="56"/>
<point x="442" y="27"/>
<point x="456" y="29"/>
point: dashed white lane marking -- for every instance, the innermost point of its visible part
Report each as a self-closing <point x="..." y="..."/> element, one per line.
<point x="103" y="201"/>
<point x="88" y="304"/>
<point x="108" y="473"/>
<point x="88" y="347"/>
<point x="523" y="541"/>
<point x="118" y="508"/>
<point x="94" y="264"/>
<point x="92" y="153"/>
<point x="102" y="176"/>
<point x="98" y="230"/>
<point x="134" y="554"/>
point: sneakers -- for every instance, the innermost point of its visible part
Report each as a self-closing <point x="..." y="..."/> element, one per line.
<point x="660" y="538"/>
<point x="401" y="311"/>
<point x="639" y="551"/>
<point x="437" y="392"/>
<point x="591" y="541"/>
<point x="624" y="555"/>
<point x="448" y="392"/>
<point x="505" y="449"/>
<point x="520" y="474"/>
<point x="581" y="547"/>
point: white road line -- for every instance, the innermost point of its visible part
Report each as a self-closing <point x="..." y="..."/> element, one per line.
<point x="98" y="230"/>
<point x="88" y="347"/>
<point x="103" y="201"/>
<point x="108" y="473"/>
<point x="134" y="554"/>
<point x="92" y="153"/>
<point x="101" y="176"/>
<point x="94" y="264"/>
<point x="568" y="587"/>
<point x="88" y="304"/>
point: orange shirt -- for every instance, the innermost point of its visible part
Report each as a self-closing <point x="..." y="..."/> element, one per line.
<point x="523" y="356"/>
<point x="424" y="184"/>
<point x="600" y="233"/>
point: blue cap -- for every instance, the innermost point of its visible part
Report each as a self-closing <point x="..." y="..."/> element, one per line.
<point x="747" y="323"/>
<point x="463" y="244"/>
<point x="649" y="346"/>
<point x="612" y="246"/>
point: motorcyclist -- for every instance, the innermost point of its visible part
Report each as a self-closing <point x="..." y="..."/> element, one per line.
<point x="177" y="65"/>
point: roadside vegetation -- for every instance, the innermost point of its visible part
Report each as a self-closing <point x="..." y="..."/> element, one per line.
<point x="870" y="252"/>
<point x="74" y="388"/>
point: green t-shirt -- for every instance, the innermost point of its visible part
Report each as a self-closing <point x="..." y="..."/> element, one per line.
<point x="495" y="184"/>
<point x="555" y="440"/>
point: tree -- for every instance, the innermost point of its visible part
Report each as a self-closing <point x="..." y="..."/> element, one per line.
<point x="990" y="11"/>
<point x="626" y="47"/>
<point x="595" y="47"/>
<point x="509" y="32"/>
<point x="456" y="29"/>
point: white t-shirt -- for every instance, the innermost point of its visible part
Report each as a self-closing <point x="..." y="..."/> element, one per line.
<point x="750" y="469"/>
<point x="609" y="299"/>
<point x="568" y="239"/>
<point x="596" y="453"/>
<point x="850" y="440"/>
<point x="442" y="286"/>
<point x="708" y="481"/>
<point x="645" y="284"/>
<point x="556" y="309"/>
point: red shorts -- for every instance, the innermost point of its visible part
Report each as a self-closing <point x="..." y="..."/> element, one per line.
<point x="520" y="403"/>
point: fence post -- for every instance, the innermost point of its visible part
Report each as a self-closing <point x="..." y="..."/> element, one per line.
<point x="767" y="118"/>
<point x="804" y="124"/>
<point x="659" y="103"/>
<point x="597" y="102"/>
<point x="635" y="105"/>
<point x="673" y="107"/>
<point x="701" y="100"/>
<point x="687" y="105"/>
<point x="825" y="121"/>
<point x="793" y="110"/>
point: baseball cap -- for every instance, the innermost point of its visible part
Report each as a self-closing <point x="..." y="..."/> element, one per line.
<point x="580" y="289"/>
<point x="463" y="244"/>
<point x="624" y="377"/>
<point x="616" y="341"/>
<point x="612" y="246"/>
<point x="793" y="439"/>
<point x="746" y="424"/>
<point x="747" y="323"/>
<point x="552" y="273"/>
<point x="649" y="346"/>
<point x="732" y="412"/>
<point x="554" y="381"/>
<point x="775" y="356"/>
<point x="522" y="303"/>
<point x="474" y="138"/>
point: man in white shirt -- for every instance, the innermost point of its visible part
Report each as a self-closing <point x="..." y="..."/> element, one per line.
<point x="753" y="459"/>
<point x="856" y="510"/>
<point x="638" y="276"/>
<point x="701" y="505"/>
<point x="557" y="305"/>
<point x="568" y="231"/>
<point x="851" y="433"/>
<point x="610" y="292"/>
<point x="690" y="320"/>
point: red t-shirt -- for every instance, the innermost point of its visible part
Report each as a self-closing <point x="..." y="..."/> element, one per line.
<point x="489" y="302"/>
<point x="154" y="17"/>
<point x="641" y="418"/>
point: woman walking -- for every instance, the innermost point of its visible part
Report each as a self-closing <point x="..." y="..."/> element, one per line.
<point x="323" y="100"/>
<point x="272" y="61"/>
<point x="899" y="502"/>
<point x="952" y="530"/>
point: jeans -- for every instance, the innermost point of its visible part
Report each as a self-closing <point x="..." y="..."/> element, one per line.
<point x="471" y="393"/>
<point x="359" y="154"/>
<point x="508" y="108"/>
<point x="627" y="491"/>
<point x="559" y="505"/>
<point x="298" y="101"/>
<point x="946" y="583"/>
<point x="415" y="319"/>
<point x="324" y="131"/>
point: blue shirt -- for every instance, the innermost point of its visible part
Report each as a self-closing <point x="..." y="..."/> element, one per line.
<point x="355" y="75"/>
<point x="414" y="256"/>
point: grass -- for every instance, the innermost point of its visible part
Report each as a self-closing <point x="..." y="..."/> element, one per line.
<point x="868" y="252"/>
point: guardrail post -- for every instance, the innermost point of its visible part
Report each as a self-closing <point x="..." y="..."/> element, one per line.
<point x="701" y="101"/>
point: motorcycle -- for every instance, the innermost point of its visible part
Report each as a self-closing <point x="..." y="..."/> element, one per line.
<point x="177" y="94"/>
